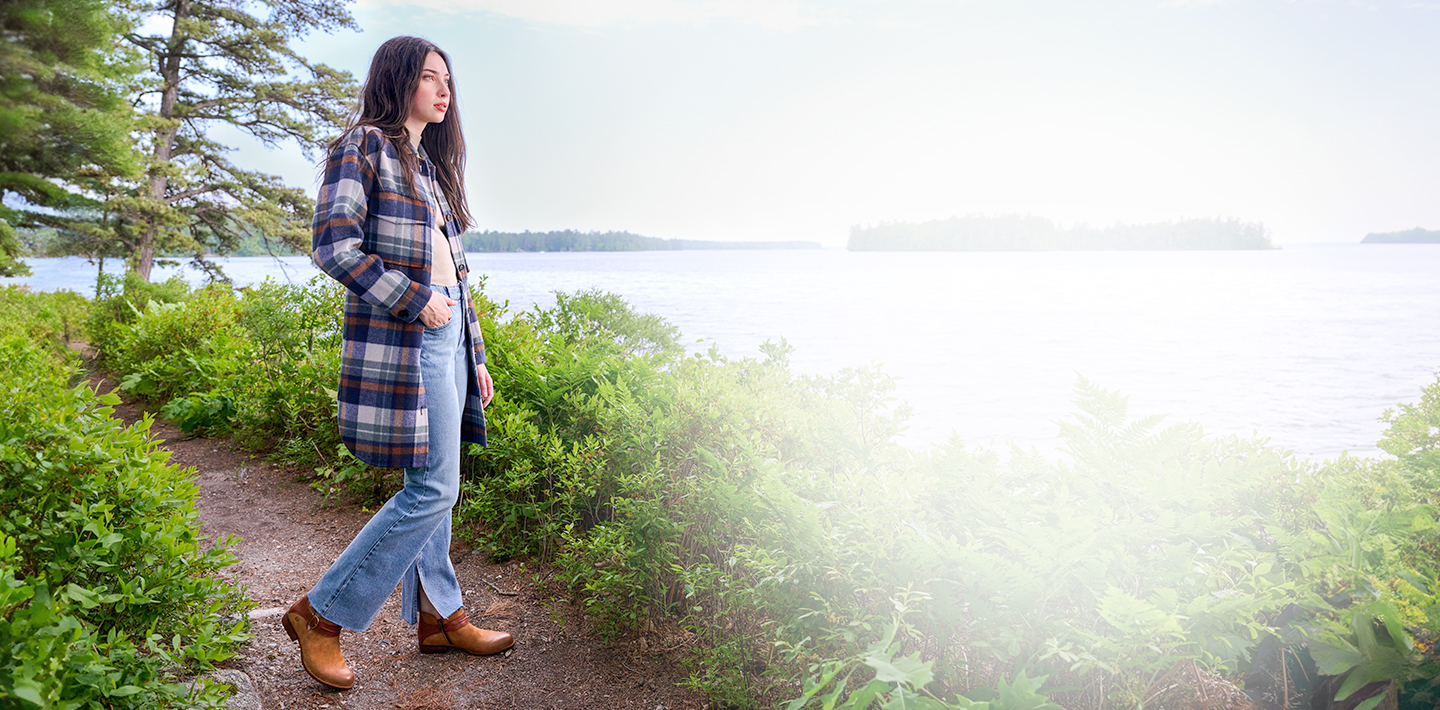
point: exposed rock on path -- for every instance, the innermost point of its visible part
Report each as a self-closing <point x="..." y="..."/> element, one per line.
<point x="287" y="536"/>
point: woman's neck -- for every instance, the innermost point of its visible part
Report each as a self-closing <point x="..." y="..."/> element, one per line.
<point x="415" y="129"/>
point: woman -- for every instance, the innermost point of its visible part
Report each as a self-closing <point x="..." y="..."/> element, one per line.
<point x="413" y="383"/>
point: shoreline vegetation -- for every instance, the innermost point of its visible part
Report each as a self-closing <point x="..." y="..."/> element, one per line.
<point x="1409" y="236"/>
<point x="572" y="240"/>
<point x="1017" y="233"/>
<point x="815" y="561"/>
<point x="38" y="243"/>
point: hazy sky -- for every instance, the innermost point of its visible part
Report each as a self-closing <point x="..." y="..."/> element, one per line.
<point x="773" y="119"/>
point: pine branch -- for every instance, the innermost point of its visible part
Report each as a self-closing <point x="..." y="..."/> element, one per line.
<point x="187" y="194"/>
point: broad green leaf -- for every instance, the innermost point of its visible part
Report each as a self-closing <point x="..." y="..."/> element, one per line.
<point x="926" y="703"/>
<point x="827" y="701"/>
<point x="1352" y="684"/>
<point x="901" y="699"/>
<point x="28" y="690"/>
<point x="862" y="698"/>
<point x="1391" y="617"/>
<point x="87" y="598"/>
<point x="1335" y="660"/>
<point x="909" y="669"/>
<point x="1363" y="624"/>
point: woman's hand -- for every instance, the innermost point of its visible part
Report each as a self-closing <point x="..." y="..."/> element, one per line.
<point x="487" y="387"/>
<point x="437" y="312"/>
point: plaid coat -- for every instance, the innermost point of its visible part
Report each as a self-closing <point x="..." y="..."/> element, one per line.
<point x="372" y="234"/>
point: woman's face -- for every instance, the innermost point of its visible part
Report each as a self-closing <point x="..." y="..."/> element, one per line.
<point x="432" y="96"/>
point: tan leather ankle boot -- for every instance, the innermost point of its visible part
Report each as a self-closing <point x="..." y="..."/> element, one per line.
<point x="438" y="635"/>
<point x="319" y="645"/>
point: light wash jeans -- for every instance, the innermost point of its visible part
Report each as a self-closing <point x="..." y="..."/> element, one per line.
<point x="407" y="542"/>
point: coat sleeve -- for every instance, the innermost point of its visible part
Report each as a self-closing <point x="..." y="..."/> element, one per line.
<point x="338" y="232"/>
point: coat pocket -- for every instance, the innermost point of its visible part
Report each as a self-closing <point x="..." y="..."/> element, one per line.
<point x="398" y="241"/>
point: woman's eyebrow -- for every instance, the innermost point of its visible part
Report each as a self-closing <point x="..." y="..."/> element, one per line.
<point x="423" y="72"/>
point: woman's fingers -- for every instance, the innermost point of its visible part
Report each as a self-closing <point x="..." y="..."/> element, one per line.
<point x="487" y="387"/>
<point x="437" y="310"/>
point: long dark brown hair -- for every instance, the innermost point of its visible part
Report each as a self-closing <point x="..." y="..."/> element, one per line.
<point x="385" y="104"/>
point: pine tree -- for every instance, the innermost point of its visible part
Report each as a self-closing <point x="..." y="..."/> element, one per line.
<point x="65" y="122"/>
<point x="230" y="62"/>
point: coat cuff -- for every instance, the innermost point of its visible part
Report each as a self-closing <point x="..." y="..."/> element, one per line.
<point x="411" y="302"/>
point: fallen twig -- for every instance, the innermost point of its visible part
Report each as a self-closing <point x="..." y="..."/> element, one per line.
<point x="1199" y="684"/>
<point x="497" y="590"/>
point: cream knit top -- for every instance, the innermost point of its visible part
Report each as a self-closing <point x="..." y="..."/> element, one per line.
<point x="442" y="263"/>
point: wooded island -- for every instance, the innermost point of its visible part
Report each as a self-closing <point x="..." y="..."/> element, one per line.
<point x="1409" y="236"/>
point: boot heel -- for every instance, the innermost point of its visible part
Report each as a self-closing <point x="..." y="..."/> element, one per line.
<point x="289" y="628"/>
<point x="434" y="649"/>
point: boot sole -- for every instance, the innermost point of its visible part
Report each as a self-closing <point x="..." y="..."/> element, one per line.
<point x="443" y="649"/>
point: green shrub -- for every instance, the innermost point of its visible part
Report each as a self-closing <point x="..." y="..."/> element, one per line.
<point x="179" y="348"/>
<point x="284" y="388"/>
<point x="107" y="593"/>
<point x="119" y="300"/>
<point x="49" y="320"/>
<point x="260" y="363"/>
<point x="816" y="560"/>
<point x="774" y="514"/>
<point x="1369" y="549"/>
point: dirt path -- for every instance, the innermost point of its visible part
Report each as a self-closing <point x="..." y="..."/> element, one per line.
<point x="287" y="538"/>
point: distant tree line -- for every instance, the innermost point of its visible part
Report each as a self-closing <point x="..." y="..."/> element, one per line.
<point x="1016" y="233"/>
<point x="47" y="242"/>
<point x="1409" y="236"/>
<point x="571" y="240"/>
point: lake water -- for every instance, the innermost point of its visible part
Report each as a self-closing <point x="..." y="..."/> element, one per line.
<point x="1306" y="345"/>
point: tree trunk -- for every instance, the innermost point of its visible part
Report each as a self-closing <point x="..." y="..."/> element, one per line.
<point x="164" y="136"/>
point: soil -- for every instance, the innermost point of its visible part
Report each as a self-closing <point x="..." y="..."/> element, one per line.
<point x="287" y="535"/>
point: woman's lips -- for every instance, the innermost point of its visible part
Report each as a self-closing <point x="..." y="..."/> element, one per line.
<point x="442" y="107"/>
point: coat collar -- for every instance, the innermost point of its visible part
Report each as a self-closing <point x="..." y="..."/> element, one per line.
<point x="427" y="167"/>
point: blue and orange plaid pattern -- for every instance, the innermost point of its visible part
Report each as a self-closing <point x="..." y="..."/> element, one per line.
<point x="372" y="234"/>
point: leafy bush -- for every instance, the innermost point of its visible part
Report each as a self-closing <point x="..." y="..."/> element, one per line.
<point x="774" y="516"/>
<point x="1370" y="549"/>
<point x="178" y="348"/>
<point x="119" y="300"/>
<point x="260" y="362"/>
<point x="284" y="384"/>
<point x="107" y="594"/>
<point x="49" y="320"/>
